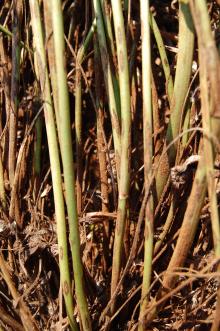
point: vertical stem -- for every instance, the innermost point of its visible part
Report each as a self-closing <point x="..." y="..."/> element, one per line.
<point x="197" y="195"/>
<point x="6" y="81"/>
<point x="15" y="77"/>
<point x="105" y="6"/>
<point x="78" y="126"/>
<point x="67" y="160"/>
<point x="181" y="85"/>
<point x="125" y="141"/>
<point x="108" y="78"/>
<point x="2" y="185"/>
<point x="101" y="151"/>
<point x="107" y="22"/>
<point x="163" y="56"/>
<point x="148" y="154"/>
<point x="209" y="160"/>
<point x="183" y="70"/>
<point x="51" y="56"/>
<point x="37" y="141"/>
<point x="209" y="87"/>
<point x="78" y="116"/>
<point x="100" y="138"/>
<point x="54" y="160"/>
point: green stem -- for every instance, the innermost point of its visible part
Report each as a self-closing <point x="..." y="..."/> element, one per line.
<point x="68" y="164"/>
<point x="181" y="85"/>
<point x="209" y="67"/>
<point x="78" y="115"/>
<point x="209" y="61"/>
<point x="54" y="160"/>
<point x="125" y="141"/>
<point x="148" y="155"/>
<point x="51" y="57"/>
<point x="108" y="27"/>
<point x="163" y="56"/>
<point x="108" y="78"/>
<point x="111" y="49"/>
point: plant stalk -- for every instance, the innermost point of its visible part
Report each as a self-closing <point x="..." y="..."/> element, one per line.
<point x="67" y="161"/>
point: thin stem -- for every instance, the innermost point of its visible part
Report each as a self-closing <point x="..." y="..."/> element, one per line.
<point x="148" y="155"/>
<point x="15" y="77"/>
<point x="78" y="115"/>
<point x="54" y="160"/>
<point x="67" y="161"/>
<point x="163" y="56"/>
<point x="209" y="87"/>
<point x="125" y="141"/>
<point x="108" y="78"/>
<point x="181" y="85"/>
